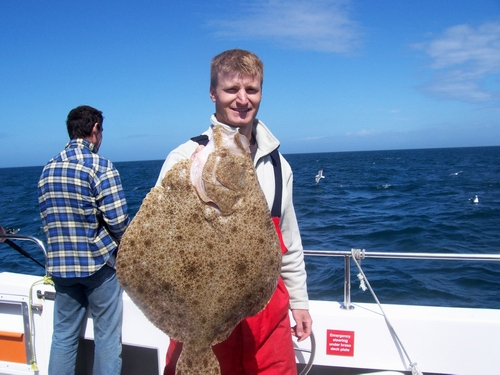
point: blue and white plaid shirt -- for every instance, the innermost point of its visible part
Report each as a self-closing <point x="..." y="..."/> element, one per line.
<point x="83" y="210"/>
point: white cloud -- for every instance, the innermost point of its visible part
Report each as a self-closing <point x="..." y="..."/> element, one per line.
<point x="315" y="138"/>
<point x="464" y="61"/>
<point x="316" y="25"/>
<point x="361" y="133"/>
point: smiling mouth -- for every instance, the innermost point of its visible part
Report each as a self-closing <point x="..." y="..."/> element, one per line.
<point x="242" y="110"/>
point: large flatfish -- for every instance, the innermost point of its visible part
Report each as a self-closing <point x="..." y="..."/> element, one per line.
<point x="202" y="252"/>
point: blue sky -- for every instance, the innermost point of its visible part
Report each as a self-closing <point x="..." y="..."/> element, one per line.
<point x="339" y="75"/>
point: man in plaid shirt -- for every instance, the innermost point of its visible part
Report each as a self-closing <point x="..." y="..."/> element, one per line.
<point x="84" y="214"/>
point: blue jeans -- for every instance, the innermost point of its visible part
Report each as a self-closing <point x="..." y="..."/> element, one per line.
<point x="103" y="294"/>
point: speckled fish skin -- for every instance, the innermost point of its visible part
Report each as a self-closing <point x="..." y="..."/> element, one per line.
<point x="196" y="271"/>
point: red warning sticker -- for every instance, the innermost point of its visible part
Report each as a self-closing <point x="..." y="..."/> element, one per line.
<point x="340" y="342"/>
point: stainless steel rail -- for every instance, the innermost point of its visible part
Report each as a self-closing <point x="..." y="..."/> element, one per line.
<point x="21" y="237"/>
<point x="347" y="255"/>
<point x="362" y="254"/>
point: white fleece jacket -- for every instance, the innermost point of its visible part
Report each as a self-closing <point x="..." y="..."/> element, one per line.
<point x="293" y="268"/>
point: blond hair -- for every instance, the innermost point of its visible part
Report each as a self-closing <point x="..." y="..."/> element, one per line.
<point x="241" y="62"/>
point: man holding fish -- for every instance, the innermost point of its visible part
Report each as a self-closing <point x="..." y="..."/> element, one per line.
<point x="261" y="344"/>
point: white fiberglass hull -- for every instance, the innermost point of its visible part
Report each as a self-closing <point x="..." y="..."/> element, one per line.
<point x="440" y="340"/>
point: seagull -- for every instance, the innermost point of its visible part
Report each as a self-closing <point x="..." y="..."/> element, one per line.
<point x="319" y="176"/>
<point x="474" y="200"/>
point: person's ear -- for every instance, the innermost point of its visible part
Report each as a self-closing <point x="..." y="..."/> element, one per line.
<point x="212" y="94"/>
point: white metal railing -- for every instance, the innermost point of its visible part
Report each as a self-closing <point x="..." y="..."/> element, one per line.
<point x="8" y="237"/>
<point x="360" y="254"/>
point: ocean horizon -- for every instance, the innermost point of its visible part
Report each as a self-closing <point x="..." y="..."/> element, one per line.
<point x="411" y="200"/>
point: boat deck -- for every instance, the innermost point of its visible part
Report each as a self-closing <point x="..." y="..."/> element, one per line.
<point x="349" y="338"/>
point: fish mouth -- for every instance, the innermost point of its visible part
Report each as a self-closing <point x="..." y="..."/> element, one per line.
<point x="225" y="139"/>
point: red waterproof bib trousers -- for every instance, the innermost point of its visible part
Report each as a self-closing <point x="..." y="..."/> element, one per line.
<point x="259" y="345"/>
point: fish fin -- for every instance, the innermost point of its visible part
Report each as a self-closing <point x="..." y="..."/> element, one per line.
<point x="197" y="362"/>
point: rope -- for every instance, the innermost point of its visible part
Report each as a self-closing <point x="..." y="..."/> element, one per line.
<point x="47" y="280"/>
<point x="359" y="255"/>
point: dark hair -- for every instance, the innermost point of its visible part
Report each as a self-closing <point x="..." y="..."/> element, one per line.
<point x="239" y="61"/>
<point x="81" y="120"/>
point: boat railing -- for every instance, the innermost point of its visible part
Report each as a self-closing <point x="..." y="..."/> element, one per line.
<point x="25" y="238"/>
<point x="9" y="236"/>
<point x="359" y="254"/>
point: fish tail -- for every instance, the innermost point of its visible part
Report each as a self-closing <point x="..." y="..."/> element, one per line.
<point x="197" y="362"/>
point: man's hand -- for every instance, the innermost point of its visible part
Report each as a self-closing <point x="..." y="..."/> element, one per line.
<point x="303" y="322"/>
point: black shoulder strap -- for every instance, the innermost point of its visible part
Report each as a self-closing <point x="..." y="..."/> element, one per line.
<point x="278" y="179"/>
<point x="278" y="184"/>
<point x="201" y="139"/>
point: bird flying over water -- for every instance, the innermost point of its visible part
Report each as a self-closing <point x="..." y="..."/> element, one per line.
<point x="319" y="176"/>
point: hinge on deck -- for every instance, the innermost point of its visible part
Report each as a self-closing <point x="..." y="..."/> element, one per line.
<point x="46" y="295"/>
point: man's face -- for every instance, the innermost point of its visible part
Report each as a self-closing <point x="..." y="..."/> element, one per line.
<point x="237" y="99"/>
<point x="96" y="136"/>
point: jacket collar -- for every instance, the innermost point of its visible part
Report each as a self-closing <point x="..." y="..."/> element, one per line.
<point x="81" y="143"/>
<point x="266" y="141"/>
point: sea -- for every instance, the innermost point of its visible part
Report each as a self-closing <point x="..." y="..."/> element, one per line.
<point x="413" y="201"/>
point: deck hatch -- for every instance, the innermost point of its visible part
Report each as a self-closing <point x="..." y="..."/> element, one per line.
<point x="14" y="332"/>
